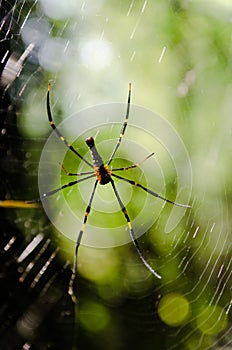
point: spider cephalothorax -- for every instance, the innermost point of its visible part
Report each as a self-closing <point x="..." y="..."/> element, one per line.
<point x="102" y="172"/>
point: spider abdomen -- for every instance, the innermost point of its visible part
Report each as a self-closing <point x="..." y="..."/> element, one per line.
<point x="103" y="175"/>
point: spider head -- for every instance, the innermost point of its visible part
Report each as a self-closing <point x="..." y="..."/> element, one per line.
<point x="90" y="141"/>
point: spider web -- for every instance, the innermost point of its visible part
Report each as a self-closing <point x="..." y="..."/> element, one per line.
<point x="177" y="56"/>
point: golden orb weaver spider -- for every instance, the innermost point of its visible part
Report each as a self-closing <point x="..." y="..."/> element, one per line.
<point x="103" y="175"/>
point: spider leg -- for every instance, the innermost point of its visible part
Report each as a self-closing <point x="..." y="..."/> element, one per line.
<point x="123" y="127"/>
<point x="132" y="234"/>
<point x="134" y="183"/>
<point x="136" y="165"/>
<point x="50" y="193"/>
<point x="74" y="174"/>
<point x="49" y="113"/>
<point x="74" y="269"/>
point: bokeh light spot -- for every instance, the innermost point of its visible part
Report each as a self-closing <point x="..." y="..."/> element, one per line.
<point x="49" y="51"/>
<point x="173" y="309"/>
<point x="94" y="317"/>
<point x="60" y="9"/>
<point x="96" y="53"/>
<point x="212" y="320"/>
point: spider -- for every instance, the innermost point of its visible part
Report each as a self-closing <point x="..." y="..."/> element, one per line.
<point x="103" y="176"/>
